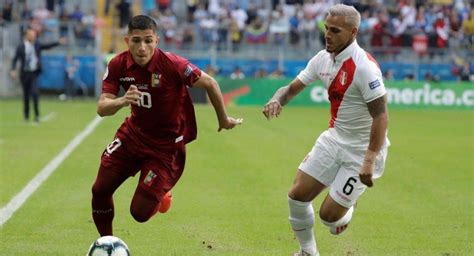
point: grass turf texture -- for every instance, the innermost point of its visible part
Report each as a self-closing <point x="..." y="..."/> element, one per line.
<point x="231" y="199"/>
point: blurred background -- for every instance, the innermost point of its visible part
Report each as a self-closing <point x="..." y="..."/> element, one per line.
<point x="411" y="39"/>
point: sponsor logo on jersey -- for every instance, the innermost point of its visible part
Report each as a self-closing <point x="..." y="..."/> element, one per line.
<point x="188" y="71"/>
<point x="374" y="84"/>
<point x="127" y="79"/>
<point x="142" y="86"/>
<point x="149" y="178"/>
<point x="155" y="79"/>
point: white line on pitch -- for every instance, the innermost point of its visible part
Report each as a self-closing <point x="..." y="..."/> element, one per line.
<point x="17" y="201"/>
<point x="48" y="117"/>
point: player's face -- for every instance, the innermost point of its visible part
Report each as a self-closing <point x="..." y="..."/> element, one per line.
<point x="142" y="44"/>
<point x="338" y="34"/>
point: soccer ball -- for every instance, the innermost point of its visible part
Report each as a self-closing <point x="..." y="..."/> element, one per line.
<point x="108" y="246"/>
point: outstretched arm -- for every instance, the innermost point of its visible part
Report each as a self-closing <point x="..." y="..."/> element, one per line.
<point x="378" y="111"/>
<point x="281" y="97"/>
<point x="215" y="95"/>
<point x="109" y="104"/>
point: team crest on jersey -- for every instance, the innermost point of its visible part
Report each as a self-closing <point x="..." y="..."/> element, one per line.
<point x="343" y="78"/>
<point x="155" y="79"/>
<point x="149" y="178"/>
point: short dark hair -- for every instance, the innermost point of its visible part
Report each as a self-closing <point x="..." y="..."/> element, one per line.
<point x="142" y="22"/>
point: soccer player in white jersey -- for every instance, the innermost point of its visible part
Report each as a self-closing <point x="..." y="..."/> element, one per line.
<point x="352" y="151"/>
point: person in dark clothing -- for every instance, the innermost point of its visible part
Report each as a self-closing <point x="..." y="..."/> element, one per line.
<point x="28" y="53"/>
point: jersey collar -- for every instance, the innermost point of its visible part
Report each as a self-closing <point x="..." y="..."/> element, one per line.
<point x="346" y="53"/>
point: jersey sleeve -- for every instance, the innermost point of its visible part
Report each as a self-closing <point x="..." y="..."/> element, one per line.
<point x="309" y="74"/>
<point x="370" y="81"/>
<point x="187" y="72"/>
<point x="110" y="80"/>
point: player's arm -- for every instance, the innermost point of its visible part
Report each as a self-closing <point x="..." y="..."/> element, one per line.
<point x="215" y="96"/>
<point x="378" y="111"/>
<point x="281" y="97"/>
<point x="109" y="104"/>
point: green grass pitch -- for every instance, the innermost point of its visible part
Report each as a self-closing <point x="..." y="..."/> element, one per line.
<point x="231" y="199"/>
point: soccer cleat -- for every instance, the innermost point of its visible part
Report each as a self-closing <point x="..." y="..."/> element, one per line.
<point x="338" y="230"/>
<point x="165" y="203"/>
<point x="303" y="253"/>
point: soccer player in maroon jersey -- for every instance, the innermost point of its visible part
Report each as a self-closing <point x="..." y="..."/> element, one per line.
<point x="152" y="139"/>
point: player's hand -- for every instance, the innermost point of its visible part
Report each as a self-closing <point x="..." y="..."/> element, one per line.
<point x="229" y="123"/>
<point x="365" y="174"/>
<point x="272" y="109"/>
<point x="132" y="96"/>
<point x="13" y="74"/>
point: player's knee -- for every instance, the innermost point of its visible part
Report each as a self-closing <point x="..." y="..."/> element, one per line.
<point x="98" y="191"/>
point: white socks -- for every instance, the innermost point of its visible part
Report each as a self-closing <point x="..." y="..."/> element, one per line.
<point x="302" y="221"/>
<point x="337" y="227"/>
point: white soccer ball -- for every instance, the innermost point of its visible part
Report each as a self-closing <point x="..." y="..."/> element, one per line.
<point x="109" y="246"/>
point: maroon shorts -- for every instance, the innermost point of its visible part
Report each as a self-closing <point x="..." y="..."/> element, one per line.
<point x="160" y="167"/>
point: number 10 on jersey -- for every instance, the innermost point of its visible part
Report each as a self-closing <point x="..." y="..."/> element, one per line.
<point x="145" y="100"/>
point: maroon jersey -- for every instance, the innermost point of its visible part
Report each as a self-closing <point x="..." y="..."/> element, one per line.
<point x="165" y="114"/>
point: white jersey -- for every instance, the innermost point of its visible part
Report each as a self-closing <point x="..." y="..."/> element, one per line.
<point x="352" y="78"/>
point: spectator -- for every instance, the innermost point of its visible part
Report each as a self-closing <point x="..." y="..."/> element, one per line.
<point x="442" y="31"/>
<point x="279" y="26"/>
<point x="211" y="70"/>
<point x="169" y="24"/>
<point x="307" y="27"/>
<point x="455" y="33"/>
<point x="123" y="7"/>
<point x="163" y="5"/>
<point x="294" y="26"/>
<point x="465" y="73"/>
<point x="237" y="74"/>
<point x="7" y="12"/>
<point x="77" y="14"/>
<point x="256" y="32"/>
<point x="261" y="73"/>
<point x="223" y="26"/>
<point x="468" y="29"/>
<point x="73" y="78"/>
<point x="277" y="74"/>
<point x="240" y="17"/>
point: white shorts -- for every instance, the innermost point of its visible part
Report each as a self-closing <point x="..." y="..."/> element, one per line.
<point x="337" y="167"/>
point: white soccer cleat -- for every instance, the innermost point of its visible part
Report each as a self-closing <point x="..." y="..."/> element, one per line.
<point x="303" y="253"/>
<point x="338" y="230"/>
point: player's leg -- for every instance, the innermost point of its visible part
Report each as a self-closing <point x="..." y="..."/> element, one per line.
<point x="315" y="173"/>
<point x="116" y="163"/>
<point x="25" y="83"/>
<point x="337" y="209"/>
<point x="335" y="216"/>
<point x="35" y="95"/>
<point x="106" y="183"/>
<point x="305" y="189"/>
<point x="157" y="178"/>
<point x="338" y="206"/>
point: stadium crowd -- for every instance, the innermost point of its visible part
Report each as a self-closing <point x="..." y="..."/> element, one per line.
<point x="405" y="23"/>
<point x="300" y="23"/>
<point x="429" y="28"/>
